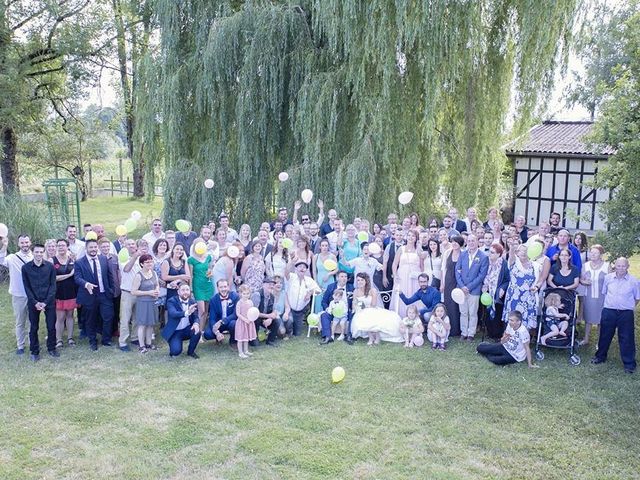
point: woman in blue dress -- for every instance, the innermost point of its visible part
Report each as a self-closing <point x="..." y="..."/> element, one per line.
<point x="349" y="250"/>
<point x="323" y="277"/>
<point x="522" y="293"/>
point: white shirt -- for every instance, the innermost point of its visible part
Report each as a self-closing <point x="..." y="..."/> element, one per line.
<point x="297" y="289"/>
<point x="77" y="248"/>
<point x="515" y="345"/>
<point x="126" y="278"/>
<point x="368" y="266"/>
<point x="151" y="238"/>
<point x="184" y="322"/>
<point x="14" y="262"/>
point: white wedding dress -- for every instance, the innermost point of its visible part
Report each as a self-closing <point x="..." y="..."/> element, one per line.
<point x="371" y="319"/>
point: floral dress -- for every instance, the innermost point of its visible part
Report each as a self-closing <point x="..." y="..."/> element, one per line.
<point x="254" y="275"/>
<point x="519" y="296"/>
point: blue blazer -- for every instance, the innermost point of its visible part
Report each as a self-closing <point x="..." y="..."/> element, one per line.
<point x="215" y="309"/>
<point x="175" y="313"/>
<point x="83" y="273"/>
<point x="328" y="295"/>
<point x="472" y="277"/>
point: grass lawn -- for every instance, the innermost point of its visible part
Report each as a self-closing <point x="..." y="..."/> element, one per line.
<point x="112" y="211"/>
<point x="398" y="414"/>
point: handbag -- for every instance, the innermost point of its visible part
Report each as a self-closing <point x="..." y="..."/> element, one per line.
<point x="435" y="282"/>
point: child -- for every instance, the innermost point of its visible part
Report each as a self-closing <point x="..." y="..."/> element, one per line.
<point x="245" y="328"/>
<point x="339" y="305"/>
<point x="553" y="318"/>
<point x="513" y="346"/>
<point x="438" y="328"/>
<point x="411" y="326"/>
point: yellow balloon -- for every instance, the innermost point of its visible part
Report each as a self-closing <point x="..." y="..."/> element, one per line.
<point x="330" y="265"/>
<point x="337" y="375"/>
<point x="200" y="248"/>
<point x="121" y="230"/>
<point x="91" y="236"/>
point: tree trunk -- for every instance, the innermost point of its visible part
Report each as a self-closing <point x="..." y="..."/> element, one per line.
<point x="9" y="167"/>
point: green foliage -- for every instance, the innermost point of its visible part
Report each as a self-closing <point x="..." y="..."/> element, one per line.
<point x="356" y="100"/>
<point x="25" y="217"/>
<point x="619" y="126"/>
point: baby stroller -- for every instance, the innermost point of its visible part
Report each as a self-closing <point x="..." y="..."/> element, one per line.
<point x="569" y="307"/>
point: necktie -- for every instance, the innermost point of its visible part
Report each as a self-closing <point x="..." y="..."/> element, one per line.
<point x="95" y="269"/>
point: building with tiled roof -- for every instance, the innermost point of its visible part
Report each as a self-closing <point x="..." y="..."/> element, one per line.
<point x="554" y="164"/>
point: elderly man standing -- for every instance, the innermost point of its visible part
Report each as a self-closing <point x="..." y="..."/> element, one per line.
<point x="471" y="269"/>
<point x="621" y="296"/>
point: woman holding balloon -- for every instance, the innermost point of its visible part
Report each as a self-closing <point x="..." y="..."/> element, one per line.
<point x="200" y="264"/>
<point x="325" y="267"/>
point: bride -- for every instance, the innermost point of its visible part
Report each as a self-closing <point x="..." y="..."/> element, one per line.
<point x="369" y="320"/>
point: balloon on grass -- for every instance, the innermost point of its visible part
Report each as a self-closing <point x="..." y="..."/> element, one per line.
<point x="418" y="341"/>
<point x="337" y="375"/>
<point x="208" y="183"/>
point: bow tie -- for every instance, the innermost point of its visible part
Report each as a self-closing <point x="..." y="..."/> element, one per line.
<point x="224" y="299"/>
<point x="185" y="303"/>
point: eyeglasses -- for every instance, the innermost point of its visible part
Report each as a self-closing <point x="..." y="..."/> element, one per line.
<point x="305" y="220"/>
<point x="157" y="224"/>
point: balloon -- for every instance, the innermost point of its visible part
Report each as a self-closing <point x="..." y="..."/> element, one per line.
<point x="486" y="299"/>
<point x="283" y="176"/>
<point x="418" y="341"/>
<point x="339" y="311"/>
<point x="136" y="215"/>
<point x="337" y="375"/>
<point x="534" y="250"/>
<point x="287" y="243"/>
<point x="208" y="183"/>
<point x="306" y="195"/>
<point x="363" y="236"/>
<point x="252" y="314"/>
<point x="183" y="226"/>
<point x="405" y="197"/>
<point x="121" y="230"/>
<point x="262" y="335"/>
<point x="374" y="248"/>
<point x="329" y="265"/>
<point x="313" y="319"/>
<point x="131" y="224"/>
<point x="200" y="248"/>
<point x="91" y="236"/>
<point x="458" y="296"/>
<point x="233" y="251"/>
<point x="4" y="230"/>
<point x="123" y="255"/>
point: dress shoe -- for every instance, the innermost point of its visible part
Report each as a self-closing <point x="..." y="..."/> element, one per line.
<point x="270" y="344"/>
<point x="193" y="355"/>
<point x="35" y="358"/>
<point x="254" y="343"/>
<point x="54" y="353"/>
<point x="94" y="347"/>
<point x="629" y="370"/>
<point x="125" y="348"/>
<point x="106" y="344"/>
<point x="596" y="360"/>
<point x="349" y="339"/>
<point x="326" y="340"/>
<point x="20" y="351"/>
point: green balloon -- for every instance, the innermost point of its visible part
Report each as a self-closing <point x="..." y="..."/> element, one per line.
<point x="313" y="319"/>
<point x="486" y="299"/>
<point x="339" y="311"/>
<point x="534" y="250"/>
<point x="123" y="255"/>
<point x="130" y="224"/>
<point x="363" y="236"/>
<point x="182" y="226"/>
<point x="287" y="243"/>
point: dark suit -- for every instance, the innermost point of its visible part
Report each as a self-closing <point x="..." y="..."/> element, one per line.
<point x="175" y="337"/>
<point x="460" y="226"/>
<point x="216" y="313"/>
<point x="96" y="303"/>
<point x="325" y="318"/>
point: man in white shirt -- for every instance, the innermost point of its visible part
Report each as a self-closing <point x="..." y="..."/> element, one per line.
<point x="232" y="235"/>
<point x="14" y="263"/>
<point x="335" y="237"/>
<point x="76" y="247"/>
<point x="127" y="300"/>
<point x="299" y="293"/>
<point x="156" y="232"/>
<point x="471" y="216"/>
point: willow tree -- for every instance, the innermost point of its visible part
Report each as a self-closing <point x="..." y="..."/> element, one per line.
<point x="355" y="100"/>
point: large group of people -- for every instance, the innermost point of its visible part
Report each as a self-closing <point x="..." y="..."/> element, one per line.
<point x="400" y="281"/>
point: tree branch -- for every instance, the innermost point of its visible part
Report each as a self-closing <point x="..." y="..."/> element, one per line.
<point x="44" y="72"/>
<point x="34" y="15"/>
<point x="62" y="18"/>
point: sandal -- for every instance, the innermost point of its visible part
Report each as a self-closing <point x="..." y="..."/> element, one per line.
<point x="142" y="350"/>
<point x="59" y="344"/>
<point x="71" y="342"/>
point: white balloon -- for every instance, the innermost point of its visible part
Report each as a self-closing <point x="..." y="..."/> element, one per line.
<point x="374" y="248"/>
<point x="233" y="251"/>
<point x="136" y="215"/>
<point x="283" y="176"/>
<point x="208" y="183"/>
<point x="306" y="195"/>
<point x="405" y="197"/>
<point x="4" y="230"/>
<point x="253" y="313"/>
<point x="458" y="296"/>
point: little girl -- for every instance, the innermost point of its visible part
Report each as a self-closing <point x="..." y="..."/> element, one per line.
<point x="556" y="322"/>
<point x="411" y="326"/>
<point x="339" y="305"/>
<point x="245" y="328"/>
<point x="438" y="328"/>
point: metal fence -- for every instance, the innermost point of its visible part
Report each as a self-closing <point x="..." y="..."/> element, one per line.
<point x="120" y="186"/>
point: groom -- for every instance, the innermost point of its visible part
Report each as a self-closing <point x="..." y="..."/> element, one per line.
<point x="222" y="313"/>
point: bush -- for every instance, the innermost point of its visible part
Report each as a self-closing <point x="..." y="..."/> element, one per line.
<point x="21" y="216"/>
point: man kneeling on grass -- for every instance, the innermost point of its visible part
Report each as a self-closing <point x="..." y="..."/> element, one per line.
<point x="513" y="346"/>
<point x="182" y="322"/>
